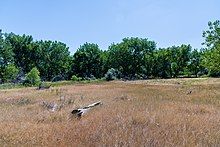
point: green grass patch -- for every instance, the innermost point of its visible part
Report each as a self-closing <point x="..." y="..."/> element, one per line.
<point x="53" y="84"/>
<point x="11" y="86"/>
<point x="63" y="83"/>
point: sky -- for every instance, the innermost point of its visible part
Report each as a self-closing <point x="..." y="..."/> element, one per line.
<point x="167" y="22"/>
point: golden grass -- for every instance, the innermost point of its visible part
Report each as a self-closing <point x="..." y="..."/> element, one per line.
<point x="134" y="113"/>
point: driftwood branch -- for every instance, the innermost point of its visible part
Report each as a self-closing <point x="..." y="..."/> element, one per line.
<point x="81" y="111"/>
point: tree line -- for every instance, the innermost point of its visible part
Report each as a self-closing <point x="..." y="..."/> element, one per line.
<point x="132" y="58"/>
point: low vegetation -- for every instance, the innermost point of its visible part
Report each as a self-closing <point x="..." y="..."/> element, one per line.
<point x="157" y="112"/>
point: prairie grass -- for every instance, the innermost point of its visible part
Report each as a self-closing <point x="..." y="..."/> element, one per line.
<point x="134" y="113"/>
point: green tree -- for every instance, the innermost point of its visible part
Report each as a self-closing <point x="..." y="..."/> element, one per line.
<point x="179" y="57"/>
<point x="52" y="59"/>
<point x="88" y="61"/>
<point x="6" y="52"/>
<point x="194" y="66"/>
<point x="6" y="55"/>
<point x="211" y="57"/>
<point x="133" y="56"/>
<point x="161" y="64"/>
<point x="33" y="77"/>
<point x="23" y="51"/>
<point x="119" y="58"/>
<point x="10" y="73"/>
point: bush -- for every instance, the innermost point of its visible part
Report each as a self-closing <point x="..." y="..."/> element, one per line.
<point x="92" y="77"/>
<point x="33" y="77"/>
<point x="75" y="78"/>
<point x="112" y="74"/>
<point x="214" y="73"/>
<point x="10" y="73"/>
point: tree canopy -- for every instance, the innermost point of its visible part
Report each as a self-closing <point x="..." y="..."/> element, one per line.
<point x="87" y="61"/>
<point x="132" y="58"/>
<point x="211" y="58"/>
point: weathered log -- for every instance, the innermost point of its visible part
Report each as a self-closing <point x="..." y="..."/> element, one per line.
<point x="81" y="111"/>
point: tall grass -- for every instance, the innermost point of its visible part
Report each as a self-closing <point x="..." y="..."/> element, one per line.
<point x="143" y="113"/>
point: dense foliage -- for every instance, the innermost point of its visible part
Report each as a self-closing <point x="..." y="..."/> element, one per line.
<point x="87" y="61"/>
<point x="33" y="77"/>
<point x="211" y="58"/>
<point x="133" y="58"/>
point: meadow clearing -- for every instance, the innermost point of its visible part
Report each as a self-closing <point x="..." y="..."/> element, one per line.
<point x="171" y="112"/>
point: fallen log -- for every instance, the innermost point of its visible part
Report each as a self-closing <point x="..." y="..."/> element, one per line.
<point x="81" y="111"/>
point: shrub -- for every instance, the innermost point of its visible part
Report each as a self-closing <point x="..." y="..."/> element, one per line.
<point x="75" y="78"/>
<point x="92" y="77"/>
<point x="10" y="73"/>
<point x="112" y="74"/>
<point x="32" y="78"/>
<point x="213" y="73"/>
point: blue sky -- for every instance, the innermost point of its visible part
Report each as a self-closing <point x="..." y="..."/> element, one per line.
<point x="167" y="22"/>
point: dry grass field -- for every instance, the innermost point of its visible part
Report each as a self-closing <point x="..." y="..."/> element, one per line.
<point x="172" y="112"/>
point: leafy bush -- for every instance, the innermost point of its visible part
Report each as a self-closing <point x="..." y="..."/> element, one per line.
<point x="33" y="77"/>
<point x="75" y="78"/>
<point x="10" y="73"/>
<point x="92" y="77"/>
<point x="112" y="74"/>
